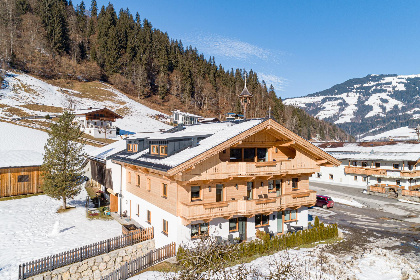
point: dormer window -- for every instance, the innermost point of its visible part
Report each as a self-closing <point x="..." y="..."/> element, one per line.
<point x="163" y="150"/>
<point x="159" y="148"/>
<point x="154" y="149"/>
<point x="132" y="148"/>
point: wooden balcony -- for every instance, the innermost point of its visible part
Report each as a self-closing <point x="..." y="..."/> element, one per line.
<point x="365" y="171"/>
<point x="410" y="173"/>
<point x="227" y="209"/>
<point x="224" y="170"/>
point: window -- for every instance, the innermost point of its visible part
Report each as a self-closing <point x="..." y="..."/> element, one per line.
<point x="233" y="224"/>
<point x="377" y="164"/>
<point x="278" y="187"/>
<point x="355" y="178"/>
<point x="261" y="154"/>
<point x="398" y="182"/>
<point x="129" y="147"/>
<point x="165" y="227"/>
<point x="129" y="178"/>
<point x="331" y="177"/>
<point x="379" y="180"/>
<point x="261" y="220"/>
<point x="235" y="155"/>
<point x="396" y="166"/>
<point x="199" y="230"/>
<point x="249" y="187"/>
<point x="290" y="215"/>
<point x="249" y="154"/>
<point x="164" y="150"/>
<point x="149" y="216"/>
<point x="138" y="180"/>
<point x="318" y="175"/>
<point x="154" y="149"/>
<point x="165" y="190"/>
<point x="364" y="179"/>
<point x="364" y="164"/>
<point x="149" y="184"/>
<point x="135" y="148"/>
<point x="354" y="163"/>
<point x="23" y="178"/>
<point x="295" y="183"/>
<point x="195" y="193"/>
<point x="219" y="192"/>
<point x="270" y="185"/>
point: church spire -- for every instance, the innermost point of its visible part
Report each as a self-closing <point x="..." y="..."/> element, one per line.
<point x="245" y="98"/>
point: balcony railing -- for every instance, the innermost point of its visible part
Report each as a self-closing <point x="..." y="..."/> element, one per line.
<point x="381" y="172"/>
<point x="244" y="169"/>
<point x="226" y="209"/>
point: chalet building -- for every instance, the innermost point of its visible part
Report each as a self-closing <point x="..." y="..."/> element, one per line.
<point x="97" y="122"/>
<point x="179" y="117"/>
<point x="233" y="117"/>
<point x="226" y="179"/>
<point x="388" y="164"/>
<point x="20" y="172"/>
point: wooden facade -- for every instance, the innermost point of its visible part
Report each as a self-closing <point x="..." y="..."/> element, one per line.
<point x="212" y="185"/>
<point x="20" y="181"/>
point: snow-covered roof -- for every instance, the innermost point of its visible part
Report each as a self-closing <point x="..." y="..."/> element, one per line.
<point x="15" y="137"/>
<point x="186" y="114"/>
<point x="393" y="152"/>
<point x="102" y="153"/>
<point x="86" y="111"/>
<point x="20" y="158"/>
<point x="217" y="133"/>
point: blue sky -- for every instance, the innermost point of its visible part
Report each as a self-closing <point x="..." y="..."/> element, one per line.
<point x="301" y="47"/>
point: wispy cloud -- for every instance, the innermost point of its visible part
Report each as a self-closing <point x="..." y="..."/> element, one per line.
<point x="220" y="46"/>
<point x="278" y="82"/>
<point x="232" y="52"/>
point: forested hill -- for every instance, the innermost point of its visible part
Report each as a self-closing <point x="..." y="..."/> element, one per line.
<point x="53" y="39"/>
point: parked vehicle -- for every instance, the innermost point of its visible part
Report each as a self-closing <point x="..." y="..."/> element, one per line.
<point x="324" y="201"/>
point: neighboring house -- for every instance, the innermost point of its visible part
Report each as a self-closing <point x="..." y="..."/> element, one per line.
<point x="179" y="117"/>
<point x="100" y="176"/>
<point x="217" y="179"/>
<point x="368" y="163"/>
<point x="20" y="172"/>
<point x="233" y="117"/>
<point x="97" y="122"/>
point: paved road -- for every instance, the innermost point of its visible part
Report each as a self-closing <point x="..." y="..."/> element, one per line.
<point x="381" y="216"/>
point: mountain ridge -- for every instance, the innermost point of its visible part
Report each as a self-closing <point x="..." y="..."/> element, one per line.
<point x="368" y="105"/>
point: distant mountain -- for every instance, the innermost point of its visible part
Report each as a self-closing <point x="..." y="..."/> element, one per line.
<point x="370" y="105"/>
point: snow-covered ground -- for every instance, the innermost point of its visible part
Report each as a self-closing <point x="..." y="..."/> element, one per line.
<point x="376" y="262"/>
<point x="31" y="229"/>
<point x="23" y="90"/>
<point x="347" y="201"/>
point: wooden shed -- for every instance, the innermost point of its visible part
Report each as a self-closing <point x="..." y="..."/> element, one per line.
<point x="20" y="173"/>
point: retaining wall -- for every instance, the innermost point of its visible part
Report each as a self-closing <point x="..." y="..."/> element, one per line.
<point x="99" y="266"/>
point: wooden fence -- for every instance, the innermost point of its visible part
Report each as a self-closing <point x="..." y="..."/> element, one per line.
<point x="137" y="265"/>
<point x="79" y="254"/>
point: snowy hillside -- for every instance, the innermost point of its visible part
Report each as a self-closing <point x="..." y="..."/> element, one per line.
<point x="23" y="95"/>
<point x="369" y="105"/>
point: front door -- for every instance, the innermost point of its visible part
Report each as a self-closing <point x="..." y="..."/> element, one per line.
<point x="280" y="222"/>
<point x="113" y="203"/>
<point x="242" y="228"/>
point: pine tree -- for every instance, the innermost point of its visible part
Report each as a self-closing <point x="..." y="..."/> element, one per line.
<point x="63" y="160"/>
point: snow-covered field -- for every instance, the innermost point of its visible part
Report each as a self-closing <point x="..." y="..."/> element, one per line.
<point x="376" y="262"/>
<point x="402" y="133"/>
<point x="31" y="229"/>
<point x="23" y="93"/>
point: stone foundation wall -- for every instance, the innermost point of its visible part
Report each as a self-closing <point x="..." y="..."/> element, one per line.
<point x="102" y="265"/>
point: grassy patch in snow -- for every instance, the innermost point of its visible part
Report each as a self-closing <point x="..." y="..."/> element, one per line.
<point x="16" y="111"/>
<point x="68" y="208"/>
<point x="19" y="196"/>
<point x="43" y="108"/>
<point x="92" y="90"/>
